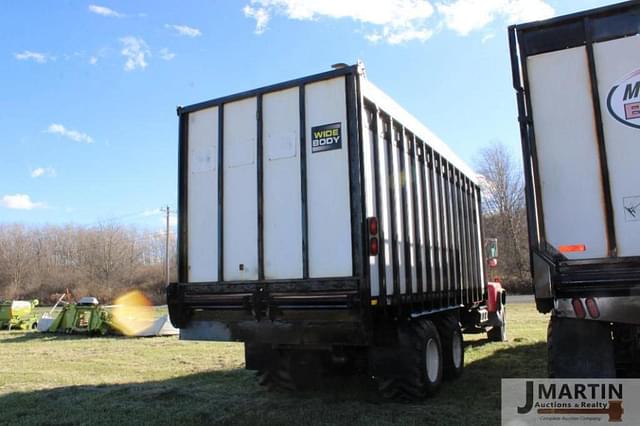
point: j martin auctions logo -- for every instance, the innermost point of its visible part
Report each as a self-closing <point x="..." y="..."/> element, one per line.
<point x="623" y="101"/>
<point x="574" y="399"/>
<point x="570" y="401"/>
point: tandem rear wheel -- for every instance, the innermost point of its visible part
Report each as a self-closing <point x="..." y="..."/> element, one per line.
<point x="429" y="350"/>
<point x="411" y="365"/>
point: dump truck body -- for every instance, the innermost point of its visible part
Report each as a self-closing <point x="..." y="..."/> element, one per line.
<point x="577" y="79"/>
<point x="314" y="212"/>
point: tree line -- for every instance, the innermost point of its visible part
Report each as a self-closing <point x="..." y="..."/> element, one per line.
<point x="103" y="261"/>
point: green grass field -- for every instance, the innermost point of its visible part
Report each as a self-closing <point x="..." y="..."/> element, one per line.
<point x="50" y="379"/>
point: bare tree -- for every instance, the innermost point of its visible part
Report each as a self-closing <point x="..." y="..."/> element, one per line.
<point x="504" y="210"/>
<point x="102" y="261"/>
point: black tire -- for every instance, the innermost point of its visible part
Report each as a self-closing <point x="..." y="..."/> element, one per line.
<point x="420" y="342"/>
<point x="277" y="376"/>
<point x="499" y="333"/>
<point x="579" y="349"/>
<point x="452" y="347"/>
<point x="292" y="370"/>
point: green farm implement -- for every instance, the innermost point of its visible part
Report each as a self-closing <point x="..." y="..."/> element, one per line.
<point x="18" y="314"/>
<point x="86" y="316"/>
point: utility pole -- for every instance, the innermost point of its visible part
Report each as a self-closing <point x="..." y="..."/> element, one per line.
<point x="166" y="251"/>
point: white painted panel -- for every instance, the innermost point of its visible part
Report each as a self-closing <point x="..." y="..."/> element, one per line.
<point x="399" y="215"/>
<point x="430" y="224"/>
<point x="370" y="195"/>
<point x="399" y="114"/>
<point x="424" y="250"/>
<point x="240" y="191"/>
<point x="202" y="195"/>
<point x="568" y="158"/>
<point x="411" y="225"/>
<point x="618" y="64"/>
<point x="329" y="215"/>
<point x="385" y="214"/>
<point x="282" y="218"/>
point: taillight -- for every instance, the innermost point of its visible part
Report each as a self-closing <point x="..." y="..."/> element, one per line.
<point x="373" y="246"/>
<point x="575" y="248"/>
<point x="578" y="308"/>
<point x="592" y="307"/>
<point x="372" y="225"/>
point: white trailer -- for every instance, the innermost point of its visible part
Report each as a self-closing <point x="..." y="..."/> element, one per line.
<point x="578" y="83"/>
<point x="319" y="222"/>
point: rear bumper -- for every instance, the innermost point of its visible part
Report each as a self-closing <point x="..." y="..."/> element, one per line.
<point x="310" y="312"/>
<point x="624" y="310"/>
<point x="613" y="285"/>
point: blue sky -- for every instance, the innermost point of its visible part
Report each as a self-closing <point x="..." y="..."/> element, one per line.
<point x="88" y="90"/>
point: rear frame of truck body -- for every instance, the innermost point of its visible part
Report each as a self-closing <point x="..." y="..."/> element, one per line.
<point x="562" y="284"/>
<point x="324" y="312"/>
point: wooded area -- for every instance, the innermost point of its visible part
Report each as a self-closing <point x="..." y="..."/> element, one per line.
<point x="102" y="261"/>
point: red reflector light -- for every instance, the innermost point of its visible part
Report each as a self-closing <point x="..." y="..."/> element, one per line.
<point x="373" y="225"/>
<point x="373" y="246"/>
<point x="573" y="248"/>
<point x="592" y="307"/>
<point x="578" y="308"/>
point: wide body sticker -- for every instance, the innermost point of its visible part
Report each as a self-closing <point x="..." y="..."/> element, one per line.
<point x="326" y="137"/>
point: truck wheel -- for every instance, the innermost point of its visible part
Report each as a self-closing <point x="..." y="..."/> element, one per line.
<point x="431" y="357"/>
<point x="579" y="349"/>
<point x="452" y="348"/>
<point x="499" y="333"/>
<point x="421" y="342"/>
<point x="293" y="370"/>
<point x="278" y="375"/>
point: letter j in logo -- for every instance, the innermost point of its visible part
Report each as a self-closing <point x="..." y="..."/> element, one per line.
<point x="528" y="405"/>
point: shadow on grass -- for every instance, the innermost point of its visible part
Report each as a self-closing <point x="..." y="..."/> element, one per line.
<point x="233" y="397"/>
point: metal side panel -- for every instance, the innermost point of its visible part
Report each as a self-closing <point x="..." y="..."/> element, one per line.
<point x="567" y="147"/>
<point x="618" y="71"/>
<point x="329" y="209"/>
<point x="281" y="185"/>
<point x="410" y="226"/>
<point x="240" y="191"/>
<point x="398" y="211"/>
<point x="421" y="194"/>
<point x="370" y="196"/>
<point x="203" y="195"/>
<point x="384" y="215"/>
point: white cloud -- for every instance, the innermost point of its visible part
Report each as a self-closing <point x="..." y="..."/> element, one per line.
<point x="20" y="202"/>
<point x="394" y="21"/>
<point x="400" y="21"/>
<point x="487" y="37"/>
<point x="74" y="135"/>
<point x="185" y="30"/>
<point x="261" y="16"/>
<point x="166" y="54"/>
<point x="43" y="171"/>
<point x="465" y="16"/>
<point x="28" y="55"/>
<point x="93" y="60"/>
<point x="104" y="11"/>
<point x="136" y="52"/>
